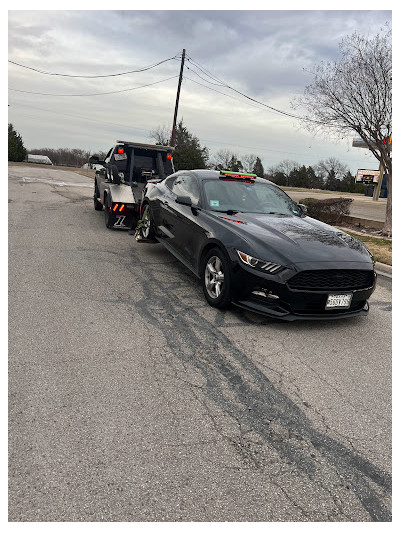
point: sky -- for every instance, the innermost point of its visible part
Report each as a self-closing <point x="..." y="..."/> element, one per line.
<point x="265" y="54"/>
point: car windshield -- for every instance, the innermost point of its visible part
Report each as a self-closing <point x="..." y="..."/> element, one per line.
<point x="247" y="197"/>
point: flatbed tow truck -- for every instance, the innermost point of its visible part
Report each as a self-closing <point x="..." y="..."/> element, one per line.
<point x="118" y="187"/>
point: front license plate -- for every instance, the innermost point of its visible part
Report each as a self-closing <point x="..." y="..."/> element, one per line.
<point x="338" y="301"/>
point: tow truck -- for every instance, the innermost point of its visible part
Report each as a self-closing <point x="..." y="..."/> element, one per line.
<point x="119" y="185"/>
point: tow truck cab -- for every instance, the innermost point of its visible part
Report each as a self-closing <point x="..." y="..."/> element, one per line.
<point x="119" y="185"/>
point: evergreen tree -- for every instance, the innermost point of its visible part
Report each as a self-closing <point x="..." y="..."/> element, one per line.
<point x="188" y="154"/>
<point x="16" y="149"/>
<point x="348" y="184"/>
<point x="278" y="177"/>
<point x="258" y="168"/>
<point x="316" y="182"/>
<point x="235" y="165"/>
<point x="299" y="177"/>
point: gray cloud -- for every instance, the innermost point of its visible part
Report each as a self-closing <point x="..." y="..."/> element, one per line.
<point x="265" y="54"/>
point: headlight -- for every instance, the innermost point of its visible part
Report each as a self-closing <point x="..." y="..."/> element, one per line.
<point x="264" y="266"/>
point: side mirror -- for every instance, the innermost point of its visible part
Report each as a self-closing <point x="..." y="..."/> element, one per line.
<point x="94" y="160"/>
<point x="303" y="208"/>
<point x="183" y="200"/>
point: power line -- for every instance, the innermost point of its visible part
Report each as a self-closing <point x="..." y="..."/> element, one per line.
<point x="95" y="94"/>
<point x="263" y="149"/>
<point x="291" y="115"/>
<point x="97" y="76"/>
<point x="207" y="81"/>
<point x="205" y="71"/>
<point x="220" y="92"/>
<point x="46" y="110"/>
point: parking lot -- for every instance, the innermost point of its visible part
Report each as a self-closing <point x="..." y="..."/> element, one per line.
<point x="131" y="399"/>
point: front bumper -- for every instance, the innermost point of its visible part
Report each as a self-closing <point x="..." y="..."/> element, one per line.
<point x="271" y="296"/>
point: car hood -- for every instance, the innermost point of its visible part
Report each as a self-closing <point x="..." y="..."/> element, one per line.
<point x="290" y="239"/>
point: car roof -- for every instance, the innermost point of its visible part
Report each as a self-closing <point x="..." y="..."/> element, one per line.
<point x="157" y="147"/>
<point x="204" y="174"/>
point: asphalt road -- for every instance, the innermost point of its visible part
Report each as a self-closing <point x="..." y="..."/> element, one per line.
<point x="133" y="400"/>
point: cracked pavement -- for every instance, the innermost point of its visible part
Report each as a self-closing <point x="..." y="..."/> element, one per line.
<point x="132" y="400"/>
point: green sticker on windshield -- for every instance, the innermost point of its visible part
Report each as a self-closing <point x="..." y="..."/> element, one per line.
<point x="214" y="203"/>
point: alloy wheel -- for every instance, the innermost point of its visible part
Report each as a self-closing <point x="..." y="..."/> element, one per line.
<point x="214" y="277"/>
<point x="146" y="225"/>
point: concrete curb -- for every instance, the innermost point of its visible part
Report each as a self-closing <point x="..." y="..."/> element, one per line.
<point x="364" y="222"/>
<point x="383" y="270"/>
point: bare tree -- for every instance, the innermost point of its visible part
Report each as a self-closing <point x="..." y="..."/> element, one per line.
<point x="226" y="160"/>
<point x="160" y="135"/>
<point x="248" y="162"/>
<point x="354" y="95"/>
<point x="331" y="170"/>
<point x="285" y="167"/>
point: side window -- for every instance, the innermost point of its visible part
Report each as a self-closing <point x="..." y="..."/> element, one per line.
<point x="177" y="187"/>
<point x="170" y="181"/>
<point x="110" y="151"/>
<point x="187" y="186"/>
<point x="193" y="189"/>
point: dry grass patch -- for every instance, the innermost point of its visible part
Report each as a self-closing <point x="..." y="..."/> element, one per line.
<point x="380" y="247"/>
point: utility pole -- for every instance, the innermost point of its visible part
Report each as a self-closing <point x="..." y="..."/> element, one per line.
<point x="172" y="140"/>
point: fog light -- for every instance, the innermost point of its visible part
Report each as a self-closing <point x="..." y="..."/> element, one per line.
<point x="265" y="293"/>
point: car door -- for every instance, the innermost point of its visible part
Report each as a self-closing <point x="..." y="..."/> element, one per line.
<point x="184" y="219"/>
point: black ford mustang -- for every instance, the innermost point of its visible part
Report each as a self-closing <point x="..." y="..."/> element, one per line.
<point x="251" y="245"/>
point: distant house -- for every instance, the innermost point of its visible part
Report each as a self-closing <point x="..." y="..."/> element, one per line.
<point x="43" y="159"/>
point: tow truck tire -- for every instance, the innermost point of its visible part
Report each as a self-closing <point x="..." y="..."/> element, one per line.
<point x="97" y="205"/>
<point x="109" y="216"/>
<point x="147" y="230"/>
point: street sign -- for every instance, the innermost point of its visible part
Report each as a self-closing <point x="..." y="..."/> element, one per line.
<point x="360" y="143"/>
<point x="367" y="176"/>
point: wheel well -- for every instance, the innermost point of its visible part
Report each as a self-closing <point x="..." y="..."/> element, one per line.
<point x="208" y="247"/>
<point x="142" y="206"/>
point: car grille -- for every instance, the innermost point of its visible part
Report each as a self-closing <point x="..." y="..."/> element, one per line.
<point x="320" y="280"/>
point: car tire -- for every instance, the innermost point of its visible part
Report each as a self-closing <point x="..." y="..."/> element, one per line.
<point x="216" y="278"/>
<point x="109" y="216"/>
<point x="97" y="205"/>
<point x="146" y="229"/>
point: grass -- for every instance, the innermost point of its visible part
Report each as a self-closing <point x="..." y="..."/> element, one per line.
<point x="380" y="247"/>
<point x="323" y="191"/>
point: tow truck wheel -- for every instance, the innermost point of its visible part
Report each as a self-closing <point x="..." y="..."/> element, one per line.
<point x="109" y="216"/>
<point x="97" y="205"/>
<point x="216" y="278"/>
<point x="147" y="226"/>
